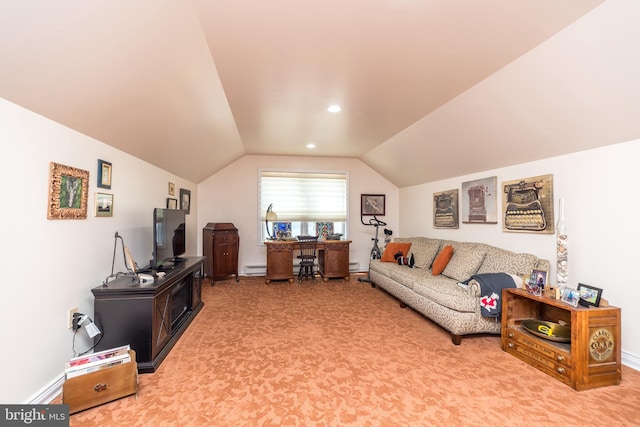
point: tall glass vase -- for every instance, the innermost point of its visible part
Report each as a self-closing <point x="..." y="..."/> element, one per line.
<point x="562" y="255"/>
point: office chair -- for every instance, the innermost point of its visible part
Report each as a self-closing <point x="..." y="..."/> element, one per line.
<point x="307" y="257"/>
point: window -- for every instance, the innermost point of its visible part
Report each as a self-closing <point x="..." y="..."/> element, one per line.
<point x="304" y="199"/>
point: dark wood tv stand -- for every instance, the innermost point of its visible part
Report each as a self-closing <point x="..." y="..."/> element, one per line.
<point x="150" y="316"/>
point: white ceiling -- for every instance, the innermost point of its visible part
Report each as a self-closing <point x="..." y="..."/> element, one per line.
<point x="430" y="89"/>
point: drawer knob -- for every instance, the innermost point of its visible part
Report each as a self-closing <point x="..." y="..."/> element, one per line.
<point x="510" y="345"/>
<point x="510" y="334"/>
<point x="561" y="370"/>
<point x="99" y="387"/>
<point x="560" y="359"/>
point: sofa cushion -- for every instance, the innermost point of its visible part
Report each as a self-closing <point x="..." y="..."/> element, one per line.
<point x="393" y="248"/>
<point x="442" y="260"/>
<point x="445" y="292"/>
<point x="466" y="260"/>
<point x="400" y="273"/>
<point x="500" y="260"/>
<point x="424" y="249"/>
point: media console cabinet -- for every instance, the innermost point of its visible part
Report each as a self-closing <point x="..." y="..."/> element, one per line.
<point x="150" y="316"/>
<point x="591" y="359"/>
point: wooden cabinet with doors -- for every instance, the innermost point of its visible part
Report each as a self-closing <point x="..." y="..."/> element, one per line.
<point x="220" y="245"/>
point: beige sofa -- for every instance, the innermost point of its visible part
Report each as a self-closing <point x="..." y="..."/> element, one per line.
<point x="440" y="298"/>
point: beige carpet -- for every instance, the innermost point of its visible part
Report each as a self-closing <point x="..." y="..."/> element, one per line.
<point x="345" y="354"/>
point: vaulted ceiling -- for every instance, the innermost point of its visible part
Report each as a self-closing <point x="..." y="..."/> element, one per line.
<point x="429" y="89"/>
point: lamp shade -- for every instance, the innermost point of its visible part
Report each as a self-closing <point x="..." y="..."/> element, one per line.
<point x="269" y="216"/>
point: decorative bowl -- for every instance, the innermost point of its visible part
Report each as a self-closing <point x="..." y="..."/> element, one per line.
<point x="548" y="330"/>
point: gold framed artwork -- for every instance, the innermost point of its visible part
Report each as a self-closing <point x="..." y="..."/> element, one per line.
<point x="528" y="205"/>
<point x="104" y="205"/>
<point x="480" y="201"/>
<point x="68" y="192"/>
<point x="445" y="209"/>
<point x="104" y="174"/>
<point x="172" y="189"/>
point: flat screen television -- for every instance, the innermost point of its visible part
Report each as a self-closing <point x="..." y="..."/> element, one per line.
<point x="169" y="237"/>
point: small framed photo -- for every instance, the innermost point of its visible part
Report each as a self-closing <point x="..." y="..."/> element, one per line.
<point x="185" y="200"/>
<point x="589" y="295"/>
<point x="571" y="296"/>
<point x="372" y="204"/>
<point x="172" y="189"/>
<point x="104" y="174"/>
<point x="104" y="205"/>
<point x="532" y="287"/>
<point x="282" y="229"/>
<point x="172" y="203"/>
<point x="539" y="277"/>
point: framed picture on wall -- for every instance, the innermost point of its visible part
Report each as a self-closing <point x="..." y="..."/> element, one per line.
<point x="185" y="200"/>
<point x="104" y="174"/>
<point x="372" y="204"/>
<point x="68" y="192"/>
<point x="479" y="201"/>
<point x="104" y="205"/>
<point x="445" y="209"/>
<point x="528" y="205"/>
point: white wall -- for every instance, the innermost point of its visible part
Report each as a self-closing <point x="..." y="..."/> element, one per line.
<point x="231" y="195"/>
<point x="599" y="188"/>
<point x="50" y="266"/>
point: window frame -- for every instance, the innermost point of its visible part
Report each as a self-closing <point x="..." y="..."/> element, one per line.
<point x="306" y="225"/>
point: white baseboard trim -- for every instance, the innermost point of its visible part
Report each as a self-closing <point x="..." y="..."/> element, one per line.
<point x="261" y="269"/>
<point x="631" y="360"/>
<point x="48" y="393"/>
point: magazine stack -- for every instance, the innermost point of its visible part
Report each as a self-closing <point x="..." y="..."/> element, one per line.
<point x="96" y="361"/>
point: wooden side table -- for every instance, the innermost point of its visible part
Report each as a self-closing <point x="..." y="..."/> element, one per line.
<point x="591" y="359"/>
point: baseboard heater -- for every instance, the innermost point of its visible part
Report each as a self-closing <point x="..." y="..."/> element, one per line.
<point x="261" y="269"/>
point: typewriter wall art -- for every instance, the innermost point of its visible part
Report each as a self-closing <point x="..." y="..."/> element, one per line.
<point x="445" y="209"/>
<point x="528" y="205"/>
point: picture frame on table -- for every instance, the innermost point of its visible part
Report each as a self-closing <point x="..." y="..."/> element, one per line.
<point x="372" y="204"/>
<point x="104" y="205"/>
<point x="532" y="287"/>
<point x="172" y="203"/>
<point x="589" y="295"/>
<point x="571" y="296"/>
<point x="104" y="174"/>
<point x="185" y="200"/>
<point x="539" y="277"/>
<point x="68" y="192"/>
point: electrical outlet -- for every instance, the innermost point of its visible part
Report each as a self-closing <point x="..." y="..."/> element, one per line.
<point x="70" y="316"/>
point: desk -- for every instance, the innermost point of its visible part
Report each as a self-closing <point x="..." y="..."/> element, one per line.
<point x="333" y="259"/>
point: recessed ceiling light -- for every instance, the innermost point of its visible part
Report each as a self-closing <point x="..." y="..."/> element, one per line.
<point x="334" y="109"/>
<point x="311" y="145"/>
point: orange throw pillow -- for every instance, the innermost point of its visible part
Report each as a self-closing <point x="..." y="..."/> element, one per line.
<point x="442" y="260"/>
<point x="393" y="248"/>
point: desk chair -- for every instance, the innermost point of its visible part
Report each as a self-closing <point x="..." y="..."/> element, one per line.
<point x="307" y="257"/>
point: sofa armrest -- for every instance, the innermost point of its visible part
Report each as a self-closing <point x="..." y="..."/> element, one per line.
<point x="474" y="288"/>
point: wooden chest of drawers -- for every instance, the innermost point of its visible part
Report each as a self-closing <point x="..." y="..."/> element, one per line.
<point x="591" y="359"/>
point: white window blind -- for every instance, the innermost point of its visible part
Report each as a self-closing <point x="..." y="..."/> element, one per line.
<point x="304" y="196"/>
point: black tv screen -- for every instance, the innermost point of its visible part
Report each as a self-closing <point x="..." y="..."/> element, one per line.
<point x="169" y="236"/>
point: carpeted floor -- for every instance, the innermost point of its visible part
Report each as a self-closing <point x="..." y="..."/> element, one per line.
<point x="345" y="354"/>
